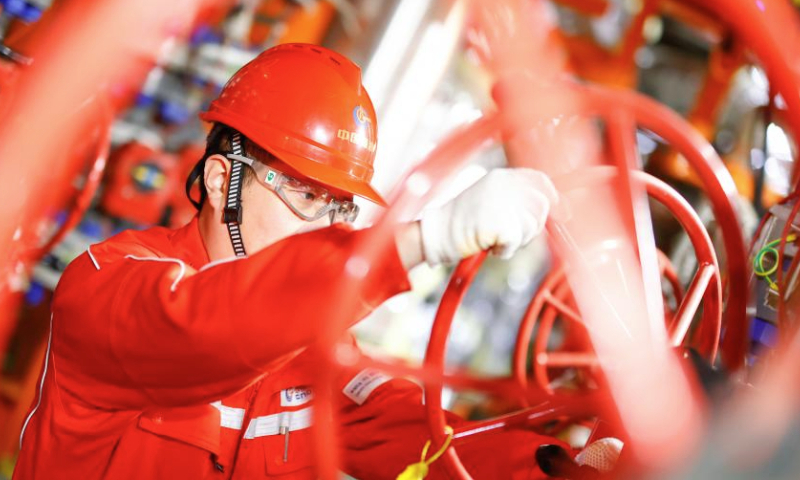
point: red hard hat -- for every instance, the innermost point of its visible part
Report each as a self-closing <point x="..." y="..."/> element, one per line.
<point x="306" y="105"/>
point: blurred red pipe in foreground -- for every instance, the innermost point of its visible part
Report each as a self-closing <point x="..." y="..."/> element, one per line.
<point x="87" y="55"/>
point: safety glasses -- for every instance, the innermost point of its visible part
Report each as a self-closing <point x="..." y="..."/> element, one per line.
<point x="309" y="202"/>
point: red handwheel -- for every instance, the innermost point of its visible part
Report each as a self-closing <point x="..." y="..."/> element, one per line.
<point x="553" y="299"/>
<point x="543" y="409"/>
<point x="622" y="112"/>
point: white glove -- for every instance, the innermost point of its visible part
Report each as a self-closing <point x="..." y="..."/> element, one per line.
<point x="602" y="455"/>
<point x="502" y="211"/>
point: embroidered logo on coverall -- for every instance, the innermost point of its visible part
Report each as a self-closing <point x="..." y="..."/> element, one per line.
<point x="295" y="396"/>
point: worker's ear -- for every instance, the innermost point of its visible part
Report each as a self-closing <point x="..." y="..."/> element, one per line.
<point x="215" y="176"/>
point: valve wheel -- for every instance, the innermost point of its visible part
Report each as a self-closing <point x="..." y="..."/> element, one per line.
<point x="621" y="111"/>
<point x="552" y="300"/>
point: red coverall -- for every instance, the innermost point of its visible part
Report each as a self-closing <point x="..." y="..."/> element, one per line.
<point x="161" y="369"/>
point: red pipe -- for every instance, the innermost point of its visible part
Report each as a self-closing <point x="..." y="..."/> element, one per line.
<point x="718" y="186"/>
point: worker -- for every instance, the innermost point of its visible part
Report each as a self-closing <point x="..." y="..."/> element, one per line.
<point x="182" y="354"/>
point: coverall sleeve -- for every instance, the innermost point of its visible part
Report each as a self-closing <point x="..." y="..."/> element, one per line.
<point x="387" y="432"/>
<point x="134" y="330"/>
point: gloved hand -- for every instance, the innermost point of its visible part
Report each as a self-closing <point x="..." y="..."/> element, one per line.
<point x="597" y="460"/>
<point x="503" y="211"/>
<point x="602" y="454"/>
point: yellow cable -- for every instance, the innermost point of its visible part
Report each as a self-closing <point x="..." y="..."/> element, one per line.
<point x="418" y="471"/>
<point x="758" y="261"/>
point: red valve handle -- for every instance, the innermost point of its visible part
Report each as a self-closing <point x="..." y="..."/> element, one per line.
<point x="623" y="110"/>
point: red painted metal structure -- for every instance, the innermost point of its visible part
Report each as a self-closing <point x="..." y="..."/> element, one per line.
<point x="142" y="182"/>
<point x="553" y="299"/>
<point x="84" y="196"/>
<point x="763" y="32"/>
<point x="717" y="184"/>
<point x="705" y="288"/>
<point x="771" y="31"/>
<point x="761" y="27"/>
<point x="97" y="79"/>
<point x="638" y="110"/>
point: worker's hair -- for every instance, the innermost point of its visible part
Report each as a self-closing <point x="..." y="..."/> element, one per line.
<point x="219" y="142"/>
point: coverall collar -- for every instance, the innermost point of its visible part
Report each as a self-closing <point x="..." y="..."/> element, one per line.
<point x="189" y="244"/>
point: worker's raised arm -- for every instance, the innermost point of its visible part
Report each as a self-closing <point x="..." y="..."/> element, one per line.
<point x="149" y="330"/>
<point x="167" y="334"/>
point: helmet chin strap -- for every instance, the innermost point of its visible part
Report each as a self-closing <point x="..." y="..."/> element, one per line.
<point x="233" y="205"/>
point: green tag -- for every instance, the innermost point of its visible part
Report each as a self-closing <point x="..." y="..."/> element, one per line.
<point x="270" y="177"/>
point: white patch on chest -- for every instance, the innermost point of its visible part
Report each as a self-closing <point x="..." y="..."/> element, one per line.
<point x="363" y="384"/>
<point x="296" y="396"/>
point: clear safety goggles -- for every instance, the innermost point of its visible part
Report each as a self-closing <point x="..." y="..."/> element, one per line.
<point x="309" y="202"/>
